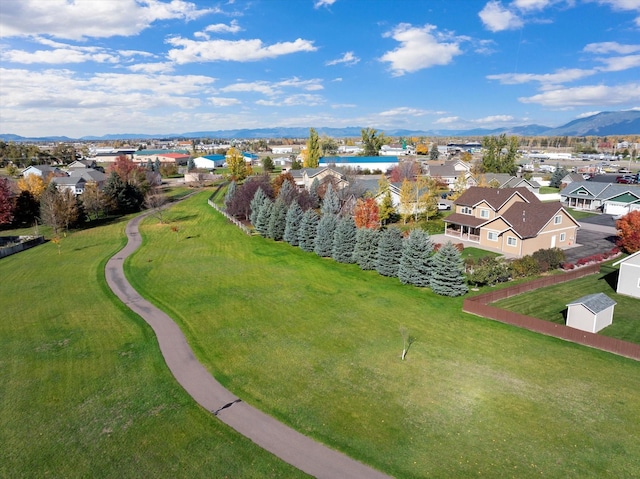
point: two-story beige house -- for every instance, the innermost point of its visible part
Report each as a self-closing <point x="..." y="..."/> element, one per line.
<point x="510" y="220"/>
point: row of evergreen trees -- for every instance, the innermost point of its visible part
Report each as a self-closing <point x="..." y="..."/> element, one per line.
<point x="328" y="234"/>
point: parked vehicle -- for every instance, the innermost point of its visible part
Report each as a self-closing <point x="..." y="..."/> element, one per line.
<point x="444" y="206"/>
<point x="627" y="179"/>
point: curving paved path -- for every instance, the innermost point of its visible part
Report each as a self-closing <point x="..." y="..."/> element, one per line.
<point x="282" y="441"/>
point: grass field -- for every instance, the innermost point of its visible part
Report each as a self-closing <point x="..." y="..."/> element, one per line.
<point x="550" y="303"/>
<point x="317" y="344"/>
<point x="84" y="391"/>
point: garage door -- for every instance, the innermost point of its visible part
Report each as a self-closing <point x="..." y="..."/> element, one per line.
<point x="615" y="209"/>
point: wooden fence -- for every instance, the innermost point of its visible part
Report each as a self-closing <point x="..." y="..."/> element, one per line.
<point x="479" y="305"/>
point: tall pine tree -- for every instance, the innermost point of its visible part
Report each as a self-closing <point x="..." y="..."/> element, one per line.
<point x="344" y="241"/>
<point x="307" y="231"/>
<point x="389" y="252"/>
<point x="256" y="203"/>
<point x="330" y="202"/>
<point x="365" y="251"/>
<point x="277" y="220"/>
<point x="447" y="274"/>
<point x="324" y="235"/>
<point x="292" y="224"/>
<point x="264" y="216"/>
<point x="415" y="263"/>
<point x="231" y="191"/>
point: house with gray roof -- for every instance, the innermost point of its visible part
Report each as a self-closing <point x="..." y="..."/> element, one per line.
<point x="610" y="198"/>
<point x="591" y="313"/>
<point x="75" y="184"/>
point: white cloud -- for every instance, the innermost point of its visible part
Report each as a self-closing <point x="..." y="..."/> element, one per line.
<point x="223" y="28"/>
<point x="343" y="105"/>
<point x="587" y="114"/>
<point x="189" y="51"/>
<point x="560" y="76"/>
<point x="274" y="88"/>
<point x="447" y="120"/>
<point x="59" y="56"/>
<point x="404" y="111"/>
<point x="603" y="48"/>
<point x="493" y="119"/>
<point x="531" y="4"/>
<point x="323" y="3"/>
<point x="82" y="19"/>
<point x="616" y="64"/>
<point x="160" y="67"/>
<point x="348" y="59"/>
<point x="586" y="96"/>
<point x="222" y="101"/>
<point x="305" y="99"/>
<point x="497" y="18"/>
<point x="419" y="48"/>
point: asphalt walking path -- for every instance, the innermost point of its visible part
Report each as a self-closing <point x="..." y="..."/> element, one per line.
<point x="289" y="445"/>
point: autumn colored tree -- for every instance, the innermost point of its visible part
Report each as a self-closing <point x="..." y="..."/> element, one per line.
<point x="500" y="154"/>
<point x="6" y="203"/>
<point x="405" y="170"/>
<point x="629" y="231"/>
<point x="366" y="214"/>
<point x="407" y="199"/>
<point x="237" y="165"/>
<point x="312" y="157"/>
<point x="34" y="184"/>
<point x="279" y="180"/>
<point x="422" y="149"/>
<point x="125" y="168"/>
<point x="94" y="200"/>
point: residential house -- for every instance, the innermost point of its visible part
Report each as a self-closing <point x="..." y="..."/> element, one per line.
<point x="180" y="157"/>
<point x="610" y="198"/>
<point x="90" y="176"/>
<point x="510" y="220"/>
<point x="629" y="275"/>
<point x="81" y="164"/>
<point x="591" y="313"/>
<point x="43" y="171"/>
<point x="75" y="184"/>
<point x="448" y="173"/>
<point x="305" y="177"/>
<point x="505" y="180"/>
<point x="572" y="178"/>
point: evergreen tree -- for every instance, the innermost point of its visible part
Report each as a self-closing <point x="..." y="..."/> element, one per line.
<point x="330" y="202"/>
<point x="277" y="220"/>
<point x="292" y="224"/>
<point x="157" y="165"/>
<point x="447" y="273"/>
<point x="191" y="164"/>
<point x="365" y="251"/>
<point x="324" y="235"/>
<point x="264" y="216"/>
<point x="344" y="241"/>
<point x="389" y="252"/>
<point x="307" y="230"/>
<point x="256" y="203"/>
<point x="149" y="165"/>
<point x="231" y="191"/>
<point x="287" y="193"/>
<point x="415" y="263"/>
<point x="313" y="193"/>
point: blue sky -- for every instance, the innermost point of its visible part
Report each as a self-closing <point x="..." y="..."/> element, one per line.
<point x="95" y="67"/>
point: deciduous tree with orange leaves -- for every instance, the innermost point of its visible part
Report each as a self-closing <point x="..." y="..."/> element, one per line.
<point x="366" y="214"/>
<point x="629" y="231"/>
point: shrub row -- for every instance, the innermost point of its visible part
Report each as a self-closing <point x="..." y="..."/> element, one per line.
<point x="594" y="258"/>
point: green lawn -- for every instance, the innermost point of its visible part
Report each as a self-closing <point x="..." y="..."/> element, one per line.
<point x="550" y="303"/>
<point x="317" y="344"/>
<point x="579" y="214"/>
<point x="545" y="190"/>
<point x="84" y="391"/>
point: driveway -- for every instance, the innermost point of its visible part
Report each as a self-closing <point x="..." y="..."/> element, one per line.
<point x="590" y="242"/>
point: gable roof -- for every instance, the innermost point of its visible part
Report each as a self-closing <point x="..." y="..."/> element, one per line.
<point x="573" y="177"/>
<point x="595" y="303"/>
<point x="528" y="219"/>
<point x="89" y="174"/>
<point x="598" y="190"/>
<point x="633" y="259"/>
<point x="444" y="171"/>
<point x="495" y="197"/>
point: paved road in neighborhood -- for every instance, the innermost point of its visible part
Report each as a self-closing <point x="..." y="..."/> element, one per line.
<point x="289" y="445"/>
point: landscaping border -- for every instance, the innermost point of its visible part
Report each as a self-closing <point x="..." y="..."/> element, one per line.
<point x="479" y="305"/>
<point x="21" y="246"/>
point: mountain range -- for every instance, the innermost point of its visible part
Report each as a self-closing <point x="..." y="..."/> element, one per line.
<point x="612" y="123"/>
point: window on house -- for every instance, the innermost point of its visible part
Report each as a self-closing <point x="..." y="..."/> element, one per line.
<point x="511" y="241"/>
<point x="563" y="236"/>
<point x="484" y="213"/>
<point x="492" y="236"/>
<point x="466" y="210"/>
<point x="557" y="220"/>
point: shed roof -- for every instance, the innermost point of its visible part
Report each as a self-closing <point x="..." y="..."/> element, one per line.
<point x="595" y="303"/>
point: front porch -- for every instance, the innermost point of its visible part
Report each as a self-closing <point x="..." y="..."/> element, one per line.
<point x="463" y="232"/>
